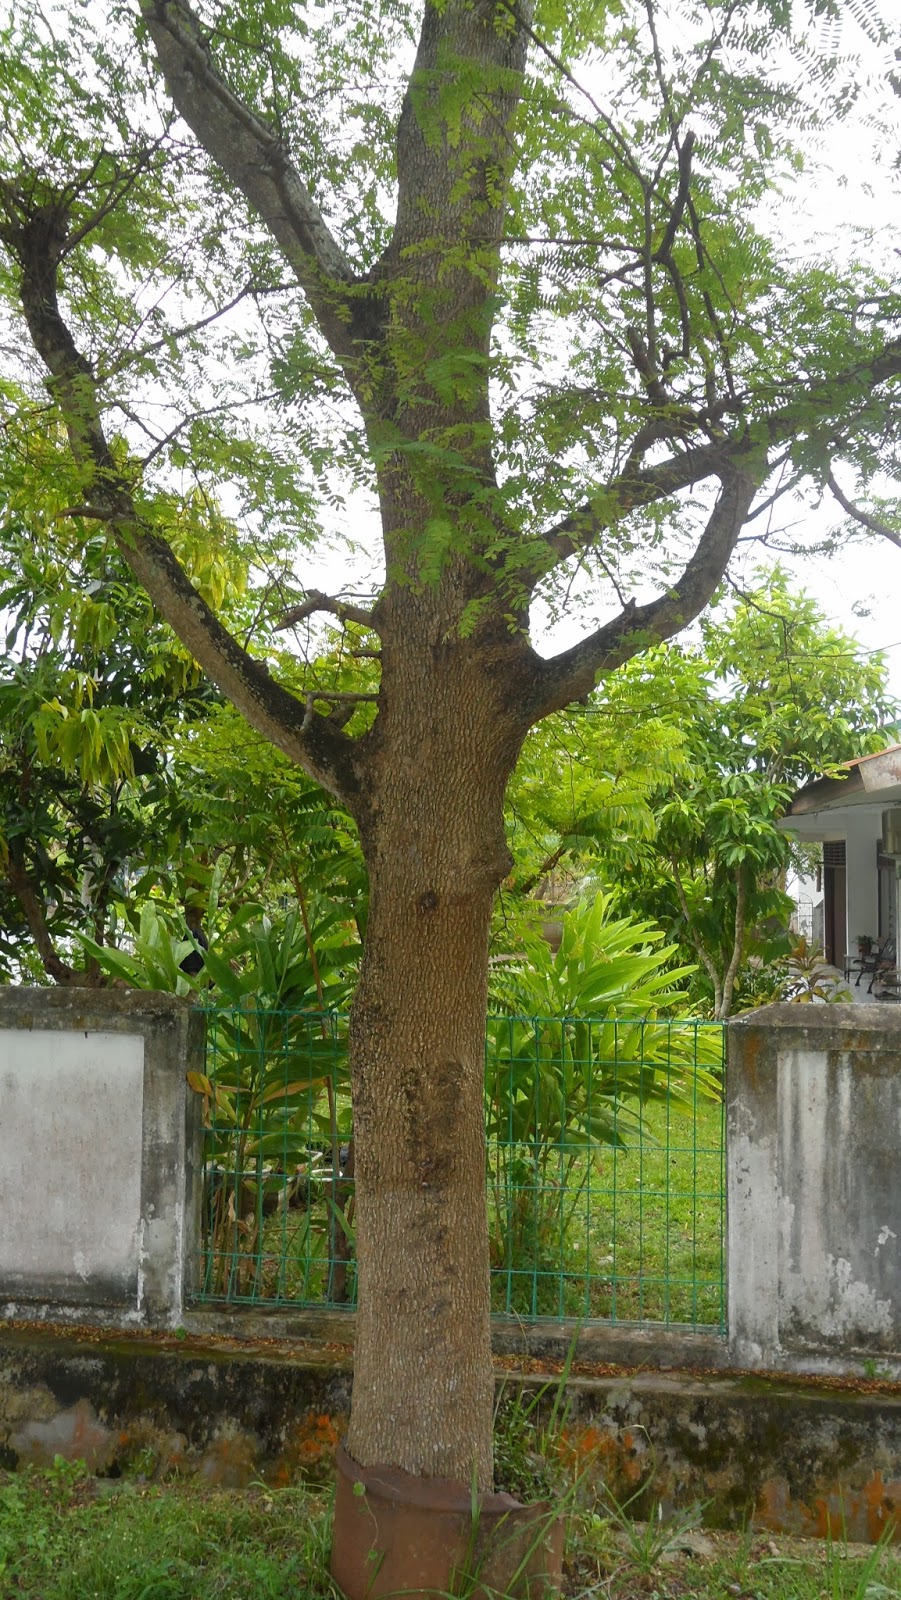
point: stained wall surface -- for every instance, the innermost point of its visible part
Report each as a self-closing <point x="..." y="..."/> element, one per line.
<point x="71" y="1113"/>
<point x="789" y="1456"/>
<point x="814" y="1195"/>
<point x="98" y="1153"/>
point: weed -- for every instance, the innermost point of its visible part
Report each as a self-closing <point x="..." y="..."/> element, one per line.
<point x="859" y="1582"/>
<point x="874" y="1373"/>
<point x="528" y="1458"/>
<point x="646" y="1544"/>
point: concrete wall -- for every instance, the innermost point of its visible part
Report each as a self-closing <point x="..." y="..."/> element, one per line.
<point x="814" y="1198"/>
<point x="99" y="1154"/>
<point x="787" y="1455"/>
<point x="100" y="1181"/>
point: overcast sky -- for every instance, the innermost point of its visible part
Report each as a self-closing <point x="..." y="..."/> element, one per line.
<point x="853" y="187"/>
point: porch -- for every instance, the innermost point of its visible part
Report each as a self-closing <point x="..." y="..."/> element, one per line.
<point x="857" y="889"/>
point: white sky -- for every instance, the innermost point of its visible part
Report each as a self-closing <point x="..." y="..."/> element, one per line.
<point x="854" y="189"/>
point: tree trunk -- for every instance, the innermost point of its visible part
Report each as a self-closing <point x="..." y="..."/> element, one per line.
<point x="423" y="1388"/>
<point x="723" y="1009"/>
<point x="422" y="1371"/>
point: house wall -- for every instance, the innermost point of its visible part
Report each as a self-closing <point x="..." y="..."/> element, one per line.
<point x="862" y="837"/>
<point x="857" y="899"/>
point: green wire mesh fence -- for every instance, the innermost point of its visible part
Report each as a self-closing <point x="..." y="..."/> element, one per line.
<point x="604" y="1165"/>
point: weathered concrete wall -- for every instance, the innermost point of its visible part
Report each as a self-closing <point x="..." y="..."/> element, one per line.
<point x="748" y="1452"/>
<point x="100" y="1183"/>
<point x="99" y="1154"/>
<point x="543" y="1341"/>
<point x="158" y="1403"/>
<point x="797" y="1457"/>
<point x="814" y="1199"/>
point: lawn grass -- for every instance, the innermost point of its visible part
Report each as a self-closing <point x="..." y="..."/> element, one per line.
<point x="633" y="1235"/>
<point x="66" y="1536"/>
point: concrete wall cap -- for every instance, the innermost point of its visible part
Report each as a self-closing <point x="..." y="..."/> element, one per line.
<point x="825" y="1019"/>
<point x="39" y="1007"/>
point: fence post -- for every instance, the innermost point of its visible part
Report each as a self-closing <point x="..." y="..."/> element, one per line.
<point x="99" y="1155"/>
<point x="813" y="1156"/>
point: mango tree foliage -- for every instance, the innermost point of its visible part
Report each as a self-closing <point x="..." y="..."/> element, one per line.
<point x="284" y="840"/>
<point x="503" y="268"/>
<point x="771" y="697"/>
<point x="583" y="789"/>
<point x="91" y="686"/>
<point x="123" y="776"/>
<point x="801" y="695"/>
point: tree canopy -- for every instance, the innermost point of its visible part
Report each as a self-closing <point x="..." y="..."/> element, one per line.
<point x="124" y="776"/>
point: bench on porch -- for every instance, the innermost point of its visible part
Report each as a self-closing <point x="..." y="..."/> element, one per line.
<point x="880" y="961"/>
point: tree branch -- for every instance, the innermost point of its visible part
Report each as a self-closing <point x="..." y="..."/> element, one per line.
<point x="344" y="703"/>
<point x="641" y="486"/>
<point x="255" y="160"/>
<point x="317" y="601"/>
<point x="664" y="249"/>
<point x="644" y="366"/>
<point x="547" y="865"/>
<point x="313" y="742"/>
<point x="573" y="673"/>
<point x="35" y="917"/>
<point x="637" y="486"/>
<point x="865" y="518"/>
<point x="695" y="939"/>
<point x="131" y="355"/>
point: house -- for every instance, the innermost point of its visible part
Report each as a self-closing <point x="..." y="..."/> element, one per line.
<point x="857" y="819"/>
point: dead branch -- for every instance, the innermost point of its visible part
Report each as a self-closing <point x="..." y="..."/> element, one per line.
<point x="344" y="610"/>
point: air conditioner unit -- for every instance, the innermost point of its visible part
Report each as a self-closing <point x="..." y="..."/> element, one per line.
<point x="891" y="832"/>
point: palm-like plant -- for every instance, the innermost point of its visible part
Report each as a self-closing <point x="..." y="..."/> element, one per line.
<point x="584" y="1038"/>
<point x="810" y="979"/>
<point x="276" y="1087"/>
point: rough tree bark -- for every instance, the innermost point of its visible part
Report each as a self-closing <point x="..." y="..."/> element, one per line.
<point x="435" y="848"/>
<point x="460" y="682"/>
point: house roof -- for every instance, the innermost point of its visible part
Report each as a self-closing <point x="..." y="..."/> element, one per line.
<point x="871" y="780"/>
